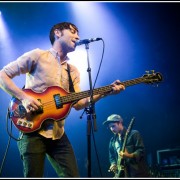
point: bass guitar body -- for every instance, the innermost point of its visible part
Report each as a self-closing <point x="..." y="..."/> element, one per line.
<point x="52" y="108"/>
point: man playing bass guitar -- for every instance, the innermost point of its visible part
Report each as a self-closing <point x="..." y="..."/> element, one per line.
<point x="41" y="116"/>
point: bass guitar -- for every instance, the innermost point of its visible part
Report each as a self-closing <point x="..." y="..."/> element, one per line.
<point x="57" y="103"/>
<point x="121" y="163"/>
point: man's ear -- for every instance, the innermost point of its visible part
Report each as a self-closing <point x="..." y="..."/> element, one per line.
<point x="57" y="33"/>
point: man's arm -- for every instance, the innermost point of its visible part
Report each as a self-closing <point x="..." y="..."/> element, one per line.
<point x="10" y="87"/>
<point x="116" y="88"/>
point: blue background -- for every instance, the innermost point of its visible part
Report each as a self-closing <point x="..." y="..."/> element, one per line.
<point x="138" y="37"/>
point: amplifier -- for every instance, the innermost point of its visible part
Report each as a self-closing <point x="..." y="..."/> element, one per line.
<point x="168" y="161"/>
<point x="168" y="158"/>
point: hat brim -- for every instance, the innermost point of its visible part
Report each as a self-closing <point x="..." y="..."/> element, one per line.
<point x="108" y="122"/>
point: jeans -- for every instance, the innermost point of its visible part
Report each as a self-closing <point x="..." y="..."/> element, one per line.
<point x="34" y="148"/>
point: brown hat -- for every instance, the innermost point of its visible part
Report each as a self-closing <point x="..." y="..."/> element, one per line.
<point x="113" y="118"/>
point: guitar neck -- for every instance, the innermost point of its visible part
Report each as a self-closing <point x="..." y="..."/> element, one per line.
<point x="126" y="134"/>
<point x="133" y="81"/>
<point x="72" y="97"/>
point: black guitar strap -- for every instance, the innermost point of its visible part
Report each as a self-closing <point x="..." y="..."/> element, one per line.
<point x="71" y="87"/>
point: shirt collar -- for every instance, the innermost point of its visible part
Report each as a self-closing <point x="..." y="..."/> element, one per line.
<point x="56" y="55"/>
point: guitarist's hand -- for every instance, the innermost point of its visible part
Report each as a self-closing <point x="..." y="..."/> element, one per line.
<point x="125" y="154"/>
<point x="117" y="87"/>
<point x="30" y="103"/>
<point x="113" y="168"/>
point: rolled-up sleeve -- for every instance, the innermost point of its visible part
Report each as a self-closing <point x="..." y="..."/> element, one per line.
<point x="22" y="65"/>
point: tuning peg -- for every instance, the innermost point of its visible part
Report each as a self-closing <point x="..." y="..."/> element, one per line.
<point x="152" y="71"/>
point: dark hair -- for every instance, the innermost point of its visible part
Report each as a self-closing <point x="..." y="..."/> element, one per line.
<point x="61" y="26"/>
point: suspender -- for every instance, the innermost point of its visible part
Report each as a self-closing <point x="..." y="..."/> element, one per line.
<point x="71" y="87"/>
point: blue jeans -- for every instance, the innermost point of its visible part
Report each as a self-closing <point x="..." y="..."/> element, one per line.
<point x="34" y="148"/>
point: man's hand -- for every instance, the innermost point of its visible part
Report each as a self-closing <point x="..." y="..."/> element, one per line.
<point x="113" y="168"/>
<point x="125" y="154"/>
<point x="31" y="104"/>
<point x="117" y="87"/>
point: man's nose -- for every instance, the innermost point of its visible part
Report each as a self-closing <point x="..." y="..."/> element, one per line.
<point x="77" y="37"/>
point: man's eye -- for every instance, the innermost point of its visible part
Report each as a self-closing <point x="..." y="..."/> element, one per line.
<point x="73" y="31"/>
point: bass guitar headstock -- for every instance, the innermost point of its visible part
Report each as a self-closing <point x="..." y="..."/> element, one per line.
<point x="151" y="77"/>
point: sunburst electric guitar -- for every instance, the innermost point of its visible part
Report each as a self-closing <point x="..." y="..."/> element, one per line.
<point x="57" y="103"/>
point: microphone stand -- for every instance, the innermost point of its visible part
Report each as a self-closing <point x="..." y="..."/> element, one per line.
<point x="90" y="111"/>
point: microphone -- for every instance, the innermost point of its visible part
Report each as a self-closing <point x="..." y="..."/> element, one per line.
<point x="86" y="41"/>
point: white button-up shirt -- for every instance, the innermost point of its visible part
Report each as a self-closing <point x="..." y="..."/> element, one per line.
<point x="43" y="69"/>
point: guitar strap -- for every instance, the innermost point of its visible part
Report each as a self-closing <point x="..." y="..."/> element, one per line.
<point x="71" y="87"/>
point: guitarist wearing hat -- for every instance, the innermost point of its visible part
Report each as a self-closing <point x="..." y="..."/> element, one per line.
<point x="129" y="161"/>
